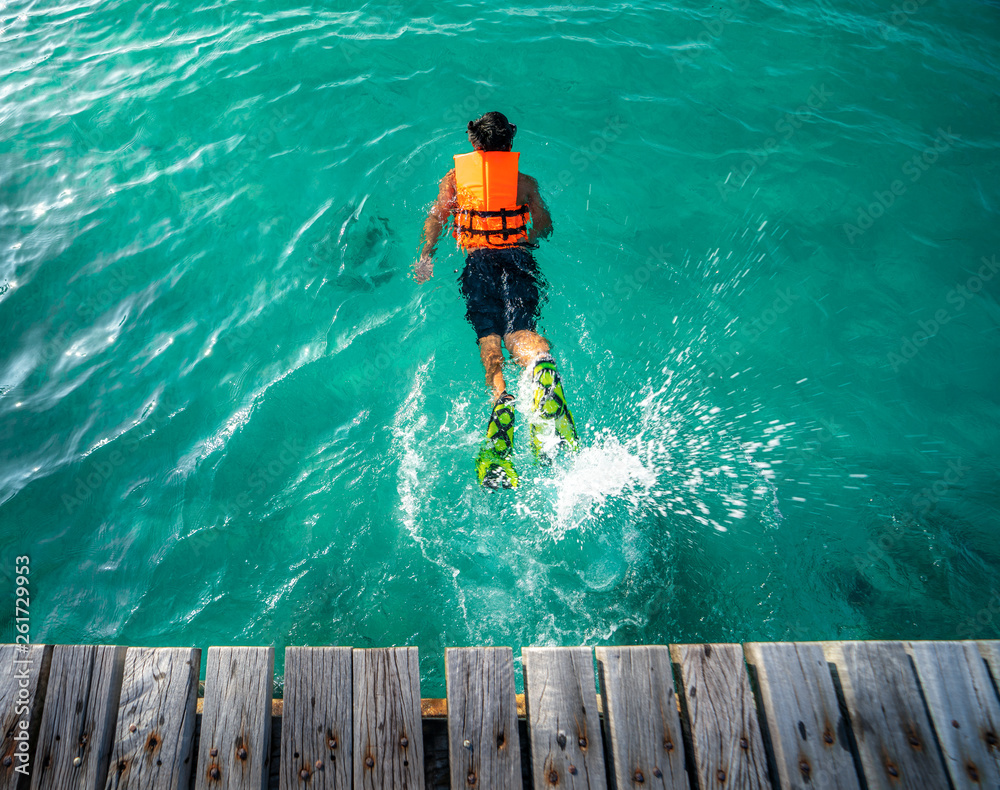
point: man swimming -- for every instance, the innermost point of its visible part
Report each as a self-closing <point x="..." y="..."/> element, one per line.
<point x="499" y="216"/>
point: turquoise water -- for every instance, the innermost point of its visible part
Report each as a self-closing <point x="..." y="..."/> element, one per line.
<point x="228" y="414"/>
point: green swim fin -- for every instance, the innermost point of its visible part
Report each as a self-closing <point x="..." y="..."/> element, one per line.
<point x="493" y="464"/>
<point x="552" y="424"/>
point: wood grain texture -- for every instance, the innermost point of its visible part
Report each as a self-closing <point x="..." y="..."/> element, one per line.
<point x="990" y="651"/>
<point x="78" y="719"/>
<point x="722" y="716"/>
<point x="235" y="742"/>
<point x="316" y="731"/>
<point x="642" y="727"/>
<point x="483" y="747"/>
<point x="564" y="727"/>
<point x="388" y="731"/>
<point x="895" y="742"/>
<point x="808" y="734"/>
<point x="964" y="710"/>
<point x="154" y="737"/>
<point x="24" y="672"/>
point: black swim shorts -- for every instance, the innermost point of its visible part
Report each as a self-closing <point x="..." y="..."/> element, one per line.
<point x="501" y="290"/>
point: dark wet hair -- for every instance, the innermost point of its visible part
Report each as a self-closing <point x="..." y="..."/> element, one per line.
<point x="492" y="132"/>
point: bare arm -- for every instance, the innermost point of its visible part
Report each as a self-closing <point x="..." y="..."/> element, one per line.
<point x="541" y="220"/>
<point x="437" y="218"/>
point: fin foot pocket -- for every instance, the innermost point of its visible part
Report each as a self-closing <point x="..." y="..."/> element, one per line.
<point x="493" y="465"/>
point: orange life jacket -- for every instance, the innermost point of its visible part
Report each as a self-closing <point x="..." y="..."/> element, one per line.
<point x="488" y="214"/>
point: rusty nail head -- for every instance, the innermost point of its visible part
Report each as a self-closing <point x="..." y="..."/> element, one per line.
<point x="955" y="724"/>
<point x="744" y="743"/>
<point x="657" y="773"/>
<point x="467" y="743"/>
<point x="720" y="775"/>
<point x="914" y="740"/>
<point x="332" y="743"/>
<point x="304" y="773"/>
<point x="214" y="753"/>
<point x="991" y="739"/>
<point x="804" y="767"/>
<point x="369" y="762"/>
<point x="553" y="777"/>
<point x="973" y="773"/>
<point x="561" y="740"/>
<point x="318" y="765"/>
<point x="827" y="737"/>
<point x="242" y="753"/>
<point x="77" y="761"/>
<point x="6" y="761"/>
<point x="132" y="728"/>
<point x="214" y="773"/>
<point x="668" y="745"/>
<point x="404" y="741"/>
<point x="471" y="778"/>
<point x="572" y="770"/>
<point x="892" y="770"/>
<point x="583" y="743"/>
<point x="638" y="777"/>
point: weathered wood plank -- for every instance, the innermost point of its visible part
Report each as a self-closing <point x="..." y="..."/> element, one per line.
<point x="483" y="747"/>
<point x="154" y="737"/>
<point x="316" y="731"/>
<point x="808" y="733"/>
<point x="388" y="732"/>
<point x="642" y="727"/>
<point x="725" y="733"/>
<point x="895" y="742"/>
<point x="964" y="710"/>
<point x="990" y="651"/>
<point x="235" y="743"/>
<point x="78" y="720"/>
<point x="24" y="672"/>
<point x="564" y="727"/>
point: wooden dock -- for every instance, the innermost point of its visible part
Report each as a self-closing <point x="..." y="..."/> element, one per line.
<point x="790" y="715"/>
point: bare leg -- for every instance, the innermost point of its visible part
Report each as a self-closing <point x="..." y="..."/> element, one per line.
<point x="525" y="345"/>
<point x="491" y="353"/>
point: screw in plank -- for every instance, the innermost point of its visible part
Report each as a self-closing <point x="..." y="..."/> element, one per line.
<point x="132" y="728"/>
<point x="467" y="743"/>
<point x="77" y="761"/>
